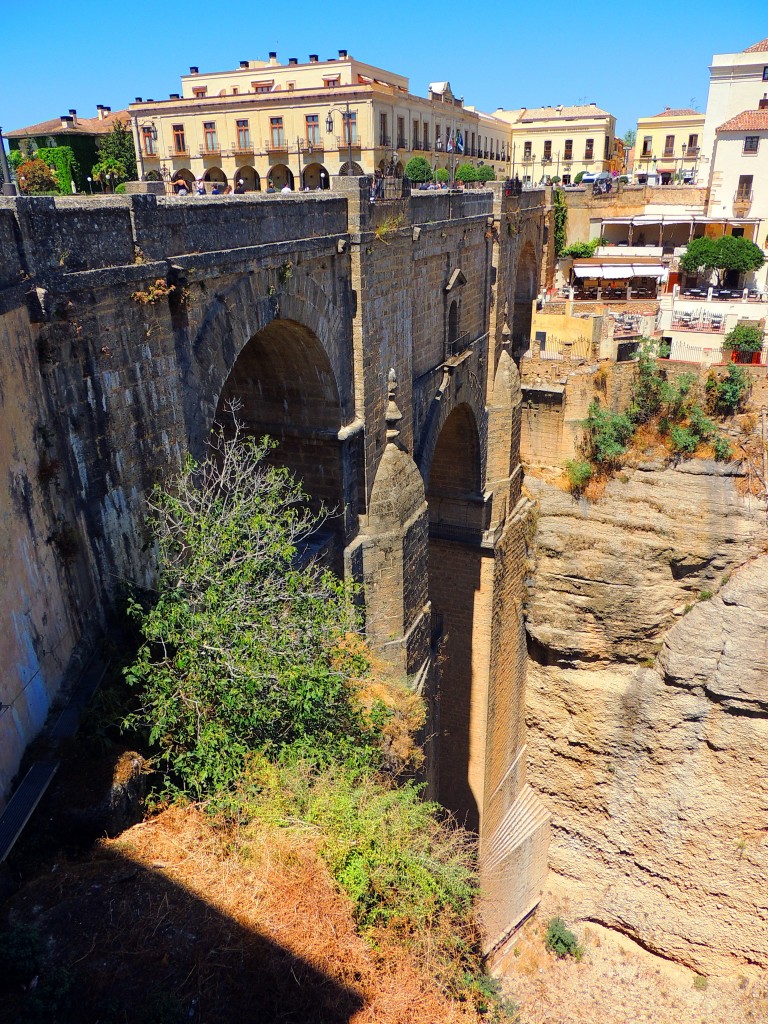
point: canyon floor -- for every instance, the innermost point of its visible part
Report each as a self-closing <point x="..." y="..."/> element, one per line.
<point x="617" y="981"/>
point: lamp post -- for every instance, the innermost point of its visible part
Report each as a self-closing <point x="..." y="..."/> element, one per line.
<point x="9" y="189"/>
<point x="322" y="180"/>
<point x="682" y="162"/>
<point x="89" y="179"/>
<point x="346" y="117"/>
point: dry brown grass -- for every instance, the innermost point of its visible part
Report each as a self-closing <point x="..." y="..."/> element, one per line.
<point x="234" y="928"/>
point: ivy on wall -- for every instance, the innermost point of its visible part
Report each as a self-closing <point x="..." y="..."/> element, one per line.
<point x="62" y="162"/>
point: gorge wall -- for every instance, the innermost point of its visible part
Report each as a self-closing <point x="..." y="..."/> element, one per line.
<point x="648" y="709"/>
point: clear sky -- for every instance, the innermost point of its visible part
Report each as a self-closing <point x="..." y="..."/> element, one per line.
<point x="631" y="58"/>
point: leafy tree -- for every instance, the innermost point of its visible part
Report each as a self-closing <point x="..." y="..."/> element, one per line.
<point x="561" y="222"/>
<point x="442" y="175"/>
<point x="62" y="162"/>
<point x="466" y="173"/>
<point x="745" y="338"/>
<point x="629" y="138"/>
<point x="36" y="178"/>
<point x="577" y="179"/>
<point x="418" y="169"/>
<point x="244" y="647"/>
<point x="720" y="255"/>
<point x="109" y="172"/>
<point x="117" y="145"/>
<point x="15" y="159"/>
<point x="485" y="173"/>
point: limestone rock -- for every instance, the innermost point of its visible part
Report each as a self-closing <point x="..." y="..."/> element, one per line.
<point x="611" y="576"/>
<point x="658" y="778"/>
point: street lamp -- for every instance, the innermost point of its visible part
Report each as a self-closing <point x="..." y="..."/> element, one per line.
<point x="346" y="117"/>
<point x="89" y="179"/>
<point x="682" y="163"/>
<point x="322" y="180"/>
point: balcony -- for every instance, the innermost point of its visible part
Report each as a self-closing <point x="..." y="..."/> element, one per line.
<point x="458" y="346"/>
<point x="546" y="159"/>
<point x="401" y="143"/>
<point x="742" y="202"/>
<point x="415" y="146"/>
<point x="210" y="149"/>
<point x="691" y="153"/>
<point x="178" y="153"/>
<point x="385" y="141"/>
<point x="150" y="154"/>
<point x="342" y="144"/>
<point x="278" y="145"/>
<point x="527" y="158"/>
<point x="243" y="148"/>
<point x="309" y="146"/>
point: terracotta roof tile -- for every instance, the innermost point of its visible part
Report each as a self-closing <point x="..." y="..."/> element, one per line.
<point x="747" y="121"/>
<point x="681" y="112"/>
<point x="760" y="47"/>
<point x="85" y="126"/>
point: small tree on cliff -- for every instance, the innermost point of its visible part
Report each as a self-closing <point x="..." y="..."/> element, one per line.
<point x="245" y="646"/>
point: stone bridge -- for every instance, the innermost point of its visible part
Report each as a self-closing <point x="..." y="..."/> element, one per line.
<point x="375" y="343"/>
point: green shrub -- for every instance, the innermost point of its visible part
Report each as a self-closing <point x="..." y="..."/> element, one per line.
<point x="582" y="250"/>
<point x="607" y="434"/>
<point x="722" y="448"/>
<point x="700" y="982"/>
<point x="486" y="173"/>
<point x="700" y="423"/>
<point x="684" y="440"/>
<point x="466" y="173"/>
<point x="418" y="169"/>
<point x="728" y="395"/>
<point x="745" y="338"/>
<point x="442" y="175"/>
<point x="623" y="179"/>
<point x="579" y="474"/>
<point x="120" y="189"/>
<point x="561" y="941"/>
<point x="577" y="179"/>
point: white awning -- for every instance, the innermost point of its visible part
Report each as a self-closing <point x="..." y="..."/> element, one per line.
<point x="620" y="272"/>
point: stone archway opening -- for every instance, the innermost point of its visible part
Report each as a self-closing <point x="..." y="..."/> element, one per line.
<point x="526" y="290"/>
<point x="249" y="177"/>
<point x="215" y="176"/>
<point x="284" y="386"/>
<point x="461" y="606"/>
<point x="316" y="176"/>
<point x="357" y="170"/>
<point x="280" y="176"/>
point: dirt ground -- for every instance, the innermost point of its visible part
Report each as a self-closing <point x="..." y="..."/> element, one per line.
<point x="618" y="982"/>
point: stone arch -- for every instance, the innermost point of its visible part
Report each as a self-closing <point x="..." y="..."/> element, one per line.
<point x="441" y="407"/>
<point x="356" y="172"/>
<point x="316" y="176"/>
<point x="280" y="175"/>
<point x="215" y="175"/>
<point x="461" y="604"/>
<point x="284" y="386"/>
<point x="526" y="290"/>
<point x="185" y="175"/>
<point x="250" y="178"/>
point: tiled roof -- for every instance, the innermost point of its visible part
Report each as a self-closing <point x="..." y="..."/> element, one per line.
<point x="747" y="121"/>
<point x="760" y="47"/>
<point x="682" y="112"/>
<point x="85" y="126"/>
<point x="546" y="113"/>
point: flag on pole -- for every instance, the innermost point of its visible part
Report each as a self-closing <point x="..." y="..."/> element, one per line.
<point x="449" y="142"/>
<point x="459" y="141"/>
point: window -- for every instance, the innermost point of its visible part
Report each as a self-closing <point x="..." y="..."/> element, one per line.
<point x="211" y="143"/>
<point x="331" y="83"/>
<point x="147" y="142"/>
<point x="744" y="191"/>
<point x="568" y="150"/>
<point x="589" y="149"/>
<point x="527" y="150"/>
<point x="606" y="148"/>
<point x="235" y="90"/>
<point x="566" y="179"/>
<point x="313" y="129"/>
<point x="401" y="143"/>
<point x="415" y="137"/>
<point x="751" y="143"/>
<point x="276" y="134"/>
<point x="669" y="145"/>
<point x="425" y="136"/>
<point x="243" y="135"/>
<point x="262" y="86"/>
<point x="438" y="138"/>
<point x="383" y="133"/>
<point x="179" y="139"/>
<point x="647" y="145"/>
<point x="548" y="150"/>
<point x="765" y="74"/>
<point x="200" y="91"/>
<point x="350" y="128"/>
<point x="693" y="144"/>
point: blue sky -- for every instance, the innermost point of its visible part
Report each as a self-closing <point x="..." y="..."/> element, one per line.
<point x="630" y="58"/>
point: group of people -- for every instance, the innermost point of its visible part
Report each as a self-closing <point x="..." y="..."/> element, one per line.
<point x="182" y="187"/>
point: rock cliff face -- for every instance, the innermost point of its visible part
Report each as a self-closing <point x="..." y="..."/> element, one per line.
<point x="657" y="776"/>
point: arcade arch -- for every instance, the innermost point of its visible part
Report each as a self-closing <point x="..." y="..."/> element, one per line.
<point x="280" y="175"/>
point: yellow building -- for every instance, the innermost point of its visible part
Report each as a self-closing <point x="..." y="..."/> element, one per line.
<point x="299" y="123"/>
<point x="560" y="141"/>
<point x="668" y="145"/>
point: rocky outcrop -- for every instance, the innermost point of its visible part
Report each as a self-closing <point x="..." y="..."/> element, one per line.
<point x="611" y="576"/>
<point x="657" y="777"/>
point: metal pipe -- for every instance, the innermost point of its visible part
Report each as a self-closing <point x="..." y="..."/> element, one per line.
<point x="9" y="189"/>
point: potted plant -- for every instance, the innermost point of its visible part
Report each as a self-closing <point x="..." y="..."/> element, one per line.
<point x="746" y="343"/>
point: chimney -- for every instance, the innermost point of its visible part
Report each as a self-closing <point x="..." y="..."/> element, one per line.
<point x="313" y="58"/>
<point x="245" y="64"/>
<point x="763" y="104"/>
<point x="138" y="100"/>
<point x="342" y="54"/>
<point x="194" y="71"/>
<point x="273" y="57"/>
<point x="174" y="96"/>
<point x="66" y="122"/>
<point x="100" y="111"/>
<point x="107" y="110"/>
<point x="293" y="60"/>
<point x="150" y="100"/>
<point x="73" y="115"/>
